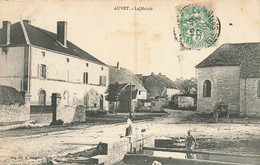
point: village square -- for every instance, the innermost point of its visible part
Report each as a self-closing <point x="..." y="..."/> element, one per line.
<point x="133" y="93"/>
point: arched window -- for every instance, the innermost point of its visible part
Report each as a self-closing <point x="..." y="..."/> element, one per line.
<point x="207" y="88"/>
<point x="42" y="97"/>
<point x="258" y="89"/>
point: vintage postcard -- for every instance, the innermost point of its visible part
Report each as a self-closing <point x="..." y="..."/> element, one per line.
<point x="144" y="82"/>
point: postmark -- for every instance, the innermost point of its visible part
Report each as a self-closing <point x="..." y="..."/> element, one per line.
<point x="198" y="27"/>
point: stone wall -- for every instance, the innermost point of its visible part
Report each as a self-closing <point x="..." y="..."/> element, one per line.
<point x="225" y="86"/>
<point x="71" y="114"/>
<point x="14" y="113"/>
<point x="249" y="102"/>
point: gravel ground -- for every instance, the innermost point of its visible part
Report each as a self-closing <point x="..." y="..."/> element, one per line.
<point x="38" y="144"/>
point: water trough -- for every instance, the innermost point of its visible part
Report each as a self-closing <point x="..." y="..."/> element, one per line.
<point x="178" y="156"/>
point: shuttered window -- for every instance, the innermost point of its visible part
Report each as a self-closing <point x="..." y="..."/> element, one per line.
<point x="85" y="77"/>
<point x="42" y="69"/>
<point x="102" y="80"/>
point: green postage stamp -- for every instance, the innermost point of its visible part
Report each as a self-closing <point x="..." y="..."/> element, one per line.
<point x="198" y="26"/>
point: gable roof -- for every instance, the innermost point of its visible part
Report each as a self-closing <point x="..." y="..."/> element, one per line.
<point x="157" y="84"/>
<point x="122" y="76"/>
<point x="163" y="79"/>
<point x="44" y="39"/>
<point x="245" y="55"/>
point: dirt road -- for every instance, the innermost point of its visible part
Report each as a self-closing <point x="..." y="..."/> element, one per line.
<point x="58" y="144"/>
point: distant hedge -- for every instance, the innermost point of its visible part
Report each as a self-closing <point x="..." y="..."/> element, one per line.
<point x="9" y="95"/>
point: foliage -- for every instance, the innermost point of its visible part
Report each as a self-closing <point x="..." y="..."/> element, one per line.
<point x="113" y="92"/>
<point x="9" y="95"/>
<point x="187" y="86"/>
<point x="117" y="91"/>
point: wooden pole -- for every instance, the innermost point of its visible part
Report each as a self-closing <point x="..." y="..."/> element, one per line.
<point x="130" y="99"/>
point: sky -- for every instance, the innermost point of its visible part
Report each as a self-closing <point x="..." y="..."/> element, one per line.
<point x="141" y="41"/>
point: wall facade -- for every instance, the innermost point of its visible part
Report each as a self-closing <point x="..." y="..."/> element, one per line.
<point x="141" y="95"/>
<point x="225" y="86"/>
<point x="64" y="75"/>
<point x="185" y="102"/>
<point x="170" y="92"/>
<point x="71" y="114"/>
<point x="250" y="102"/>
<point x="12" y="66"/>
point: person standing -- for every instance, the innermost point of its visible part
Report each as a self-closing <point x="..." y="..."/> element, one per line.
<point x="129" y="129"/>
<point x="190" y="142"/>
<point x="190" y="145"/>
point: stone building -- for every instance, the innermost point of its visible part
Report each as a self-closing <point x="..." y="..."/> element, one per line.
<point x="231" y="74"/>
<point x="41" y="62"/>
<point x="124" y="77"/>
<point x="158" y="85"/>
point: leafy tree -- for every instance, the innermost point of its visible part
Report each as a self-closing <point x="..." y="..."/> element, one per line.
<point x="113" y="92"/>
<point x="187" y="86"/>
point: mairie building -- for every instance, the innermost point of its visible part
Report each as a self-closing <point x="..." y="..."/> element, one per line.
<point x="40" y="62"/>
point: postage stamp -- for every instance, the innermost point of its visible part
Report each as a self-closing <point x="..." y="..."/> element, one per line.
<point x="198" y="26"/>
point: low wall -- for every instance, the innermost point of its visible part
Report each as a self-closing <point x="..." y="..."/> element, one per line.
<point x="71" y="114"/>
<point x="36" y="109"/>
<point x="113" y="151"/>
<point x="14" y="113"/>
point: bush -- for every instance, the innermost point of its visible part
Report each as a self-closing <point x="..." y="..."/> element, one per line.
<point x="57" y="122"/>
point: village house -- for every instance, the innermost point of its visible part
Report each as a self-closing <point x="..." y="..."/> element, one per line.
<point x="125" y="77"/>
<point x="41" y="62"/>
<point x="158" y="85"/>
<point x="231" y="74"/>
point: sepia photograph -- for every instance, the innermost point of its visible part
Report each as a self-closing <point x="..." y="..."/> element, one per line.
<point x="130" y="82"/>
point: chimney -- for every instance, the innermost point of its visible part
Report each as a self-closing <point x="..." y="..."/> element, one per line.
<point x="159" y="74"/>
<point x="6" y="27"/>
<point x="117" y="65"/>
<point x="27" y="21"/>
<point x="62" y="32"/>
<point x="152" y="73"/>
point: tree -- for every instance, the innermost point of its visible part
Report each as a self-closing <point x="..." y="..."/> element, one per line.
<point x="187" y="86"/>
<point x="113" y="92"/>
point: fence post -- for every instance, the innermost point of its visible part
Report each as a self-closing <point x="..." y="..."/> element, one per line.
<point x="55" y="98"/>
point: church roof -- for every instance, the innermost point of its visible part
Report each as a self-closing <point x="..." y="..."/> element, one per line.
<point x="245" y="55"/>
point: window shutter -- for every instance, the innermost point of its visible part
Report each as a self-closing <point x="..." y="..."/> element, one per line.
<point x="86" y="77"/>
<point x="100" y="80"/>
<point x="47" y="71"/>
<point x="39" y="71"/>
<point x="104" y="80"/>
